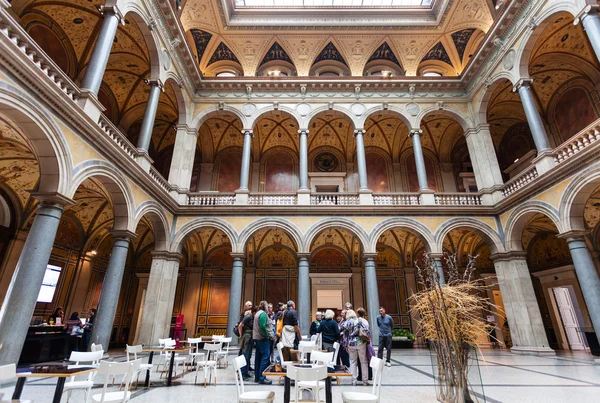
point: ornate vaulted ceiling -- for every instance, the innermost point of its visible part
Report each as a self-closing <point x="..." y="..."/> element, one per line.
<point x="448" y="41"/>
<point x="398" y="248"/>
<point x="208" y="247"/>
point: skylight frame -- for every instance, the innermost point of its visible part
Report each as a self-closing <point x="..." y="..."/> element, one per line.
<point x="335" y="4"/>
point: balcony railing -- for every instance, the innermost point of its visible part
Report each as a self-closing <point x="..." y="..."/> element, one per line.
<point x="273" y="199"/>
<point x="115" y="134"/>
<point x="334" y="199"/>
<point x="211" y="199"/>
<point x="578" y="143"/>
<point x="518" y="182"/>
<point x="458" y="199"/>
<point x="396" y="199"/>
<point x="158" y="178"/>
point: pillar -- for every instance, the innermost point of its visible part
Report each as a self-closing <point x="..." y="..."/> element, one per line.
<point x="589" y="281"/>
<point x="235" y="293"/>
<point x="361" y="160"/>
<point x="591" y="25"/>
<point x="11" y="259"/>
<point x="303" y="162"/>
<point x="357" y="287"/>
<point x="242" y="192"/>
<point x="149" y="115"/>
<point x="372" y="296"/>
<point x="24" y="288"/>
<point x="182" y="164"/>
<point x="437" y="261"/>
<point x="415" y="134"/>
<point x="485" y="163"/>
<point x="304" y="293"/>
<point x="160" y="297"/>
<point x="521" y="306"/>
<point x="111" y="289"/>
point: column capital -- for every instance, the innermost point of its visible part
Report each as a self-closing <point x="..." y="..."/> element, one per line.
<point x="436" y="256"/>
<point x="248" y="132"/>
<point x="523" y="83"/>
<point x="585" y="11"/>
<point x="155" y="83"/>
<point x="303" y="256"/>
<point x="53" y="199"/>
<point x="412" y="132"/>
<point x="166" y="255"/>
<point x="187" y="129"/>
<point x="359" y="131"/>
<point x="114" y="9"/>
<point x="303" y="131"/>
<point x="508" y="256"/>
<point x="122" y="234"/>
<point x="238" y="256"/>
<point x="369" y="256"/>
<point x="574" y="235"/>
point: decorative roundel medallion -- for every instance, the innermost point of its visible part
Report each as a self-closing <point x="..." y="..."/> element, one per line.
<point x="326" y="162"/>
<point x="165" y="59"/>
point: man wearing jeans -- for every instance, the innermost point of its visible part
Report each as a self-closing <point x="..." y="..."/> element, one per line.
<point x="262" y="333"/>
<point x="385" y="324"/>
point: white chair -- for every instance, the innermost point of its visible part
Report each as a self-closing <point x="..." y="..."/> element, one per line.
<point x="305" y="348"/>
<point x="195" y="354"/>
<point x="224" y="351"/>
<point x="317" y="374"/>
<point x="284" y="364"/>
<point x="249" y="397"/>
<point x="336" y="351"/>
<point x="163" y="355"/>
<point x="112" y="369"/>
<point x="133" y="351"/>
<point x="361" y="397"/>
<point x="208" y="366"/>
<point x="320" y="358"/>
<point x="83" y="358"/>
<point x="9" y="373"/>
<point x="178" y="360"/>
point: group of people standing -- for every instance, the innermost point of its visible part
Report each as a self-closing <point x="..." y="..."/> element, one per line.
<point x="262" y="327"/>
<point x="79" y="334"/>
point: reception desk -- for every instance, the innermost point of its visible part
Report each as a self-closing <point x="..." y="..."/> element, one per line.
<point x="43" y="344"/>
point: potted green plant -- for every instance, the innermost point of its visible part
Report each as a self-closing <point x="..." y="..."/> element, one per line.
<point x="402" y="338"/>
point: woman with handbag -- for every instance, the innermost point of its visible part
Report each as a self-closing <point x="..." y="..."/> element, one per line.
<point x="370" y="351"/>
<point x="355" y="339"/>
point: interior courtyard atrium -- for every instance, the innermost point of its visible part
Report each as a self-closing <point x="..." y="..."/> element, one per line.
<point x="164" y="161"/>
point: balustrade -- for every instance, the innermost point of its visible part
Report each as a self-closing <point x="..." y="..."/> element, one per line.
<point x="273" y="199"/>
<point x="115" y="134"/>
<point x="518" y="182"/>
<point x="458" y="199"/>
<point x="332" y="199"/>
<point x="158" y="178"/>
<point x="578" y="143"/>
<point x="396" y="199"/>
<point x="211" y="199"/>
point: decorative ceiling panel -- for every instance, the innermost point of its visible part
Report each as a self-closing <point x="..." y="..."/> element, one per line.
<point x="330" y="52"/>
<point x="201" y="39"/>
<point x="384" y="52"/>
<point x="275" y="52"/>
<point x="461" y="39"/>
<point x="222" y="53"/>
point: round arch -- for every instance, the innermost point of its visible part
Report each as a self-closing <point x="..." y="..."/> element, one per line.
<point x="575" y="197"/>
<point x="481" y="105"/>
<point x="260" y="113"/>
<point x="203" y="222"/>
<point x="464" y="121"/>
<point x="332" y="222"/>
<point x="49" y="144"/>
<point x="144" y="22"/>
<point x="116" y="185"/>
<point x="518" y="220"/>
<point x="291" y="229"/>
<point x="405" y="223"/>
<point x="159" y="221"/>
<point x="489" y="235"/>
<point x="389" y="111"/>
<point x="176" y="84"/>
<point x="214" y="111"/>
<point x="315" y="113"/>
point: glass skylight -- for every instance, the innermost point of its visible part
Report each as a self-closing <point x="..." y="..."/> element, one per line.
<point x="333" y="3"/>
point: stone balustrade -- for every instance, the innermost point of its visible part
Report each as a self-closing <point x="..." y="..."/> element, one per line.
<point x="519" y="181"/>
<point x="158" y="178"/>
<point x="458" y="199"/>
<point x="334" y="199"/>
<point x="396" y="199"/>
<point x="578" y="143"/>
<point x="273" y="199"/>
<point x="115" y="134"/>
<point x="211" y="199"/>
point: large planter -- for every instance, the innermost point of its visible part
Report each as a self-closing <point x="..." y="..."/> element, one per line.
<point x="402" y="342"/>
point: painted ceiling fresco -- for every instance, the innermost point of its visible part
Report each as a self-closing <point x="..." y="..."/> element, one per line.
<point x="466" y="243"/>
<point x="398" y="248"/>
<point x="350" y="46"/>
<point x="275" y="129"/>
<point x="504" y="111"/>
<point x="208" y="246"/>
<point x="218" y="133"/>
<point x="340" y="240"/>
<point x="592" y="210"/>
<point x="332" y="129"/>
<point x="271" y="247"/>
<point x="276" y="52"/>
<point x="384" y="52"/>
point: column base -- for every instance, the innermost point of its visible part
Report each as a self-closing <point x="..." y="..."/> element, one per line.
<point x="303" y="197"/>
<point x="88" y="101"/>
<point x="180" y="196"/>
<point x="365" y="197"/>
<point x="143" y="159"/>
<point x="427" y="198"/>
<point x="544" y="162"/>
<point x="241" y="196"/>
<point x="532" y="350"/>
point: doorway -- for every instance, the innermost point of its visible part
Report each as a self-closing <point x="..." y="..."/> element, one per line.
<point x="569" y="313"/>
<point x="329" y="291"/>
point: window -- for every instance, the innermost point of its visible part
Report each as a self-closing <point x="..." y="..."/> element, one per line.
<point x="333" y="3"/>
<point x="431" y="74"/>
<point x="49" y="284"/>
<point x="226" y="74"/>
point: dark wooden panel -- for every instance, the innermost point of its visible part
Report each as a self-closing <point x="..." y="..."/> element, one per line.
<point x="219" y="296"/>
<point x="388" y="297"/>
<point x="277" y="290"/>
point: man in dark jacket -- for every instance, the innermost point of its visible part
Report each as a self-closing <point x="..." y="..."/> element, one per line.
<point x="329" y="330"/>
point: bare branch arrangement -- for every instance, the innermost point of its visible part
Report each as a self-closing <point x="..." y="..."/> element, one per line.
<point x="452" y="318"/>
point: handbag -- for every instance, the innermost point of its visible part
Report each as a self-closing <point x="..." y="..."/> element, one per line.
<point x="370" y="352"/>
<point x="364" y="335"/>
<point x="236" y="330"/>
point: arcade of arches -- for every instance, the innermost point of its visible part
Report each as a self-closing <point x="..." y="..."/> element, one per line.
<point x="167" y="176"/>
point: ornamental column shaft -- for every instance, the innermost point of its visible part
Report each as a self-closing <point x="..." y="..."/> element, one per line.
<point x="361" y="160"/>
<point x="591" y="25"/>
<point x="538" y="132"/>
<point x="111" y="290"/>
<point x="99" y="58"/>
<point x="437" y="261"/>
<point x="587" y="276"/>
<point x="303" y="161"/>
<point x="245" y="171"/>
<point x="149" y="116"/>
<point x="372" y="297"/>
<point x="304" y="294"/>
<point x="419" y="160"/>
<point x="21" y="297"/>
<point x="235" y="294"/>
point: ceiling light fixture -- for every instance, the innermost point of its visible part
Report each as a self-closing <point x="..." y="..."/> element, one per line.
<point x="93" y="253"/>
<point x="274" y="73"/>
<point x="515" y="160"/>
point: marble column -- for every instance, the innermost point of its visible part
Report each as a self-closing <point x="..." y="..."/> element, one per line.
<point x="589" y="281"/>
<point x="437" y="260"/>
<point x="182" y="164"/>
<point x="143" y="144"/>
<point x="94" y="72"/>
<point x="26" y="282"/>
<point x="235" y="293"/>
<point x="160" y="297"/>
<point x="303" y="161"/>
<point x="538" y="131"/>
<point x="591" y="24"/>
<point x="372" y="295"/>
<point x="246" y="152"/>
<point x="361" y="160"/>
<point x="415" y="134"/>
<point x="485" y="162"/>
<point x="304" y="293"/>
<point x="111" y="289"/>
<point x="522" y="310"/>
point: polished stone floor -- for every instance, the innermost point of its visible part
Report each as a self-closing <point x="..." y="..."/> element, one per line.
<point x="505" y="377"/>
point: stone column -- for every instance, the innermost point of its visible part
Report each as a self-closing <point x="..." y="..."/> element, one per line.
<point x="182" y="164"/>
<point x="242" y="192"/>
<point x="485" y="163"/>
<point x="303" y="189"/>
<point x="149" y="116"/>
<point x="24" y="288"/>
<point x="160" y="297"/>
<point x="587" y="274"/>
<point x="304" y="293"/>
<point x="437" y="260"/>
<point x="544" y="160"/>
<point x="111" y="289"/>
<point x="591" y="24"/>
<point x="11" y="259"/>
<point x="361" y="160"/>
<point x="522" y="310"/>
<point x="372" y="295"/>
<point x="426" y="194"/>
<point x="235" y="293"/>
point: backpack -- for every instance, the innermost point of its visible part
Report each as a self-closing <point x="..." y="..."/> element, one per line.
<point x="279" y="326"/>
<point x="236" y="330"/>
